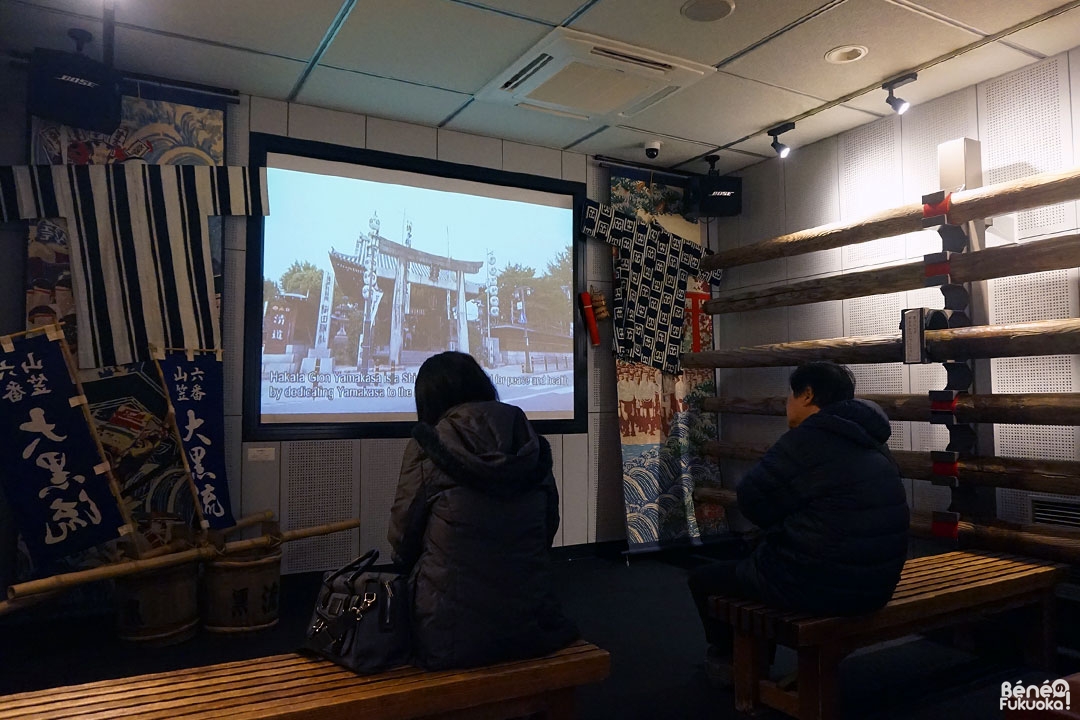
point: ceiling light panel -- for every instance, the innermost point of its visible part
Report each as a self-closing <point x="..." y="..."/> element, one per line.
<point x="274" y="27"/>
<point x="431" y="42"/>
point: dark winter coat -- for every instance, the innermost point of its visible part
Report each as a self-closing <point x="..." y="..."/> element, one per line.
<point x="830" y="500"/>
<point x="473" y="521"/>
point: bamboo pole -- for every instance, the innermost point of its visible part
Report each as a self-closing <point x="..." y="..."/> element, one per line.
<point x="967" y="205"/>
<point x="105" y="572"/>
<point x="249" y="521"/>
<point x="1043" y="337"/>
<point x="1053" y="254"/>
<point x="1060" y="477"/>
<point x="1023" y="409"/>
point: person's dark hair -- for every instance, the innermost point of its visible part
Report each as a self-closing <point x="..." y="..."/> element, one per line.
<point x="449" y="379"/>
<point x="829" y="383"/>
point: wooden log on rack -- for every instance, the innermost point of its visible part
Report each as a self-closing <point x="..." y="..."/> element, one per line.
<point x="1044" y="337"/>
<point x="967" y="205"/>
<point x="1053" y="254"/>
<point x="1060" y="477"/>
<point x="131" y="567"/>
<point x="1024" y="409"/>
<point x="716" y="496"/>
<point x="1048" y="543"/>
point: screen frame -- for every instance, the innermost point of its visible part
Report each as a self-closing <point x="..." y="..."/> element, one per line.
<point x="260" y="145"/>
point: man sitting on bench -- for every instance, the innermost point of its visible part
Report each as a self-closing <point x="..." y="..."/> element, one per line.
<point x="831" y="505"/>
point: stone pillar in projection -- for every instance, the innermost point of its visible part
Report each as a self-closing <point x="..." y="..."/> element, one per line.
<point x="397" y="310"/>
<point x="462" y="319"/>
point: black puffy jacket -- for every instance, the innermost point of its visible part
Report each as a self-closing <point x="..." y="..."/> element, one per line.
<point x="474" y="517"/>
<point x="829" y="497"/>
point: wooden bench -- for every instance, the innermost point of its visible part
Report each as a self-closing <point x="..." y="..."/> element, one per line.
<point x="294" y="687"/>
<point x="934" y="592"/>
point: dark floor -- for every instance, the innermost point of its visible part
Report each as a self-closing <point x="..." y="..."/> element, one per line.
<point x="640" y="612"/>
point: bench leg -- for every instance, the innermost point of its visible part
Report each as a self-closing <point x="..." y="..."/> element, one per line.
<point x="1040" y="634"/>
<point x="749" y="659"/>
<point x="560" y="705"/>
<point x="818" y="698"/>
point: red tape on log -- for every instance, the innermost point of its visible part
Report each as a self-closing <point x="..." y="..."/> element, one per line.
<point x="943" y="529"/>
<point x="935" y="269"/>
<point x="944" y="406"/>
<point x="941" y="208"/>
<point x="946" y="469"/>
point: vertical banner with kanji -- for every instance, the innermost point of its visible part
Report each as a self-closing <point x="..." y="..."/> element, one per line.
<point x="195" y="385"/>
<point x="54" y="474"/>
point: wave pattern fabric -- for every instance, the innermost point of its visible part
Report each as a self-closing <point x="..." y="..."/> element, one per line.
<point x="140" y="247"/>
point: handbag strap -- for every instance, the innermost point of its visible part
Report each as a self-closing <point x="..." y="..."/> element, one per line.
<point x="357" y="566"/>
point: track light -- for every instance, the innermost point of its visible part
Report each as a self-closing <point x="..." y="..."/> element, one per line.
<point x="898" y="104"/>
<point x="781" y="149"/>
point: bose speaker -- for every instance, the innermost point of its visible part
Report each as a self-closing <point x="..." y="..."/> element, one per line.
<point x="74" y="90"/>
<point x="715" y="196"/>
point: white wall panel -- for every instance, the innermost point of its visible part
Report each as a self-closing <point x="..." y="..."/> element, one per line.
<point x="269" y="116"/>
<point x="575" y="490"/>
<point x="330" y="126"/>
<point x="532" y="159"/>
<point x="816" y="321"/>
<point x="260" y="467"/>
<point x="574" y="166"/>
<point x="605" y="479"/>
<point x="603" y="390"/>
<point x="380" y="466"/>
<point x="557" y="470"/>
<point x="812" y="198"/>
<point x="401" y="138"/>
<point x="237" y="125"/>
<point x="467" y="149"/>
<point x="1025" y="128"/>
<point x="232" y="327"/>
<point x="869" y="160"/>
<point x="762" y="218"/>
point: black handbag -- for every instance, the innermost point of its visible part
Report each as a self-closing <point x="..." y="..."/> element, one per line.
<point x="362" y="618"/>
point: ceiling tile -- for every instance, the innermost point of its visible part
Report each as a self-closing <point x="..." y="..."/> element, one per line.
<point x="249" y="72"/>
<point x="550" y="11"/>
<point x="824" y="124"/>
<point x="720" y="109"/>
<point x="91" y="8"/>
<point x="431" y="42"/>
<point x="980" y="64"/>
<point x="729" y="161"/>
<point x="657" y="25"/>
<point x="513" y="123"/>
<point x="989" y="17"/>
<point x="627" y="144"/>
<point x="39" y="27"/>
<point x="252" y="24"/>
<point x="1052" y="36"/>
<point x="796" y="59"/>
<point x="354" y="92"/>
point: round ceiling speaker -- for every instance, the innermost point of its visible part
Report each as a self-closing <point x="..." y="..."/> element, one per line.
<point x="846" y="54"/>
<point x="707" y="10"/>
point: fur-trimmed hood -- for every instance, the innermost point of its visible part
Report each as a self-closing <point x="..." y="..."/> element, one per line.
<point x="489" y="446"/>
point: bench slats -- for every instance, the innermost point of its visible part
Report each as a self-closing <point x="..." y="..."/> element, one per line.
<point x="926" y="582"/>
<point x="304" y="687"/>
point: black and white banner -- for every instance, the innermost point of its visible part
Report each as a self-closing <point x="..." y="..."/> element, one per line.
<point x="140" y="246"/>
<point x="54" y="476"/>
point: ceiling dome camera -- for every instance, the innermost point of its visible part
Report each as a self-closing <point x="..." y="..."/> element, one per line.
<point x="652" y="149"/>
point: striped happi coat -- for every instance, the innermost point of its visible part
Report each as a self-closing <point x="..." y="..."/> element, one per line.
<point x="140" y="247"/>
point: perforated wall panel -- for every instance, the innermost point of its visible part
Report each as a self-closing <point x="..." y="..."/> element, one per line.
<point x="870" y="180"/>
<point x="320" y="483"/>
<point x="605" y="479"/>
<point x="1025" y="128"/>
<point x="888" y="378"/>
<point x="576" y="508"/>
<point x="237" y="121"/>
<point x="232" y="331"/>
<point x="556" y="469"/>
<point x="761" y="327"/>
<point x="926" y="126"/>
<point x="812" y="198"/>
<point x="233" y="464"/>
<point x="927" y="497"/>
<point x="816" y="321"/>
<point x="874" y="314"/>
<point x="380" y="465"/>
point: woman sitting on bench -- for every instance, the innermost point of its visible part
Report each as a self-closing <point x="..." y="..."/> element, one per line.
<point x="473" y="520"/>
<point x="829" y="500"/>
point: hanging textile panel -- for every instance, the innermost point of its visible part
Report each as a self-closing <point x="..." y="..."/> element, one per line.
<point x="196" y="388"/>
<point x="140" y="249"/>
<point x="152" y="130"/>
<point x="55" y="478"/>
<point x="661" y="428"/>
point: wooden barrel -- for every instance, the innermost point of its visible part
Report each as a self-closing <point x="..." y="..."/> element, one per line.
<point x="240" y="593"/>
<point x="159" y="607"/>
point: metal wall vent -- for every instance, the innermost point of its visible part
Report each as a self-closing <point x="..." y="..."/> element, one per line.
<point x="1056" y="512"/>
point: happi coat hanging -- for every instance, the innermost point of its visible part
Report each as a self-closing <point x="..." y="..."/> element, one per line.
<point x="661" y="428"/>
<point x="140" y="254"/>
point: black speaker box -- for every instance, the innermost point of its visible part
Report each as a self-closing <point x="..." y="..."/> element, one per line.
<point x="715" y="196"/>
<point x="74" y="90"/>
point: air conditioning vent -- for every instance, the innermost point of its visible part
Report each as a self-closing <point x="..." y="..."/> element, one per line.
<point x="1055" y="512"/>
<point x="527" y="72"/>
<point x="578" y="75"/>
<point x="634" y="59"/>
